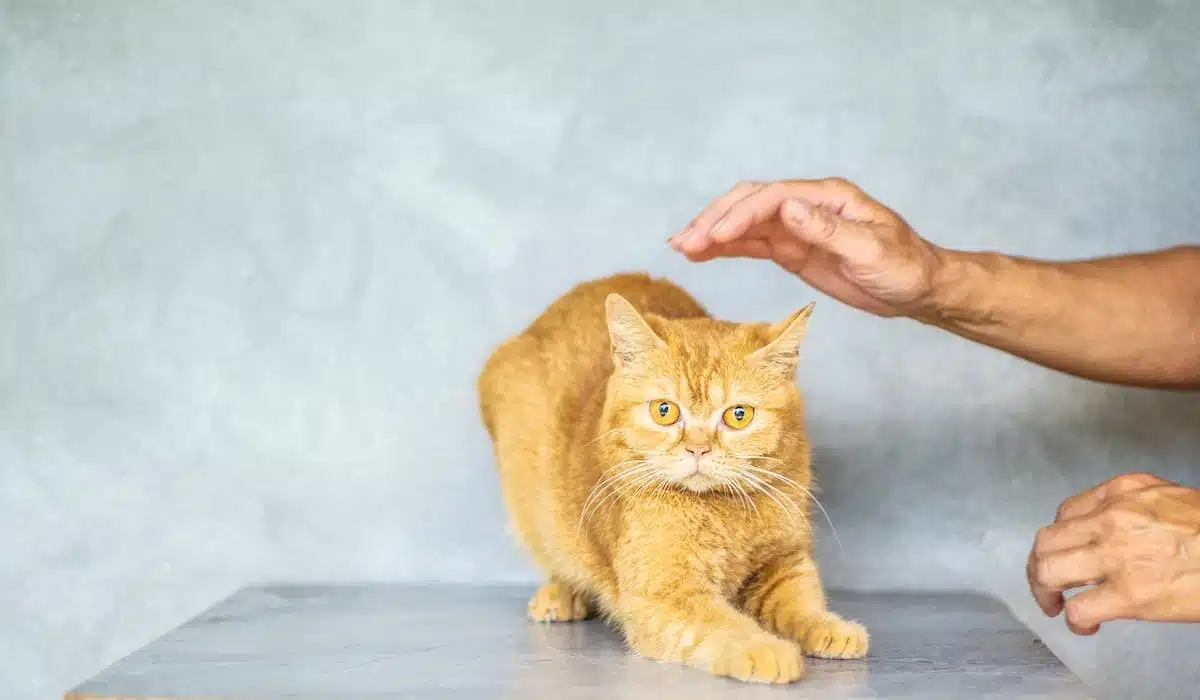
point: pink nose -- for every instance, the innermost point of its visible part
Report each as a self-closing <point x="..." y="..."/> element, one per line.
<point x="698" y="450"/>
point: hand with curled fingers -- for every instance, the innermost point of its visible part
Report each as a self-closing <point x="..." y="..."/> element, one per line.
<point x="829" y="233"/>
<point x="1134" y="542"/>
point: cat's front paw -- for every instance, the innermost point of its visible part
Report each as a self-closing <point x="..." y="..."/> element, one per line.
<point x="556" y="602"/>
<point x="764" y="659"/>
<point x="830" y="637"/>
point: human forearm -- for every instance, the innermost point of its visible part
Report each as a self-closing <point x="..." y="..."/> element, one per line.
<point x="1132" y="319"/>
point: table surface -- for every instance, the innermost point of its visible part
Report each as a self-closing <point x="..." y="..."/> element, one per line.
<point x="377" y="641"/>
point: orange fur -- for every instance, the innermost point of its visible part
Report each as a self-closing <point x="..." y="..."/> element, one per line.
<point x="701" y="560"/>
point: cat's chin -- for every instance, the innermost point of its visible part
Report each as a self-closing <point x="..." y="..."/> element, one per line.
<point x="698" y="482"/>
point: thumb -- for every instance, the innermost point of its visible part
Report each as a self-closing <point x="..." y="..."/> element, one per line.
<point x="849" y="240"/>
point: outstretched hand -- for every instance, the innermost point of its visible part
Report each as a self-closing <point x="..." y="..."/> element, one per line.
<point x="827" y="232"/>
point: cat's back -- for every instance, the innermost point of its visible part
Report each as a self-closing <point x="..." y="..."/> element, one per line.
<point x="576" y="323"/>
<point x="566" y="349"/>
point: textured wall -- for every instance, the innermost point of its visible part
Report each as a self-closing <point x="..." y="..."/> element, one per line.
<point x="253" y="254"/>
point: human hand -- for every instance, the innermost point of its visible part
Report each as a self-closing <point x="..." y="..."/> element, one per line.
<point x="827" y="232"/>
<point x="1136" y="540"/>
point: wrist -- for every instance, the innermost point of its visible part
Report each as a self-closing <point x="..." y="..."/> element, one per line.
<point x="962" y="285"/>
<point x="949" y="277"/>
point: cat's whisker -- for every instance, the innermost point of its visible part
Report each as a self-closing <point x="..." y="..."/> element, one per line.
<point x="620" y="480"/>
<point x="807" y="491"/>
<point x="741" y="491"/>
<point x="726" y="486"/>
<point x="761" y="477"/>
<point x="776" y="475"/>
<point x="626" y="462"/>
<point x="656" y="482"/>
<point x="603" y="435"/>
<point x="606" y="478"/>
<point x="728" y="479"/>
<point x="795" y="515"/>
<point x="590" y="504"/>
<point x="772" y="492"/>
<point x="756" y="477"/>
<point x="601" y="494"/>
<point x="638" y="466"/>
<point x="624" y="487"/>
<point x="663" y="486"/>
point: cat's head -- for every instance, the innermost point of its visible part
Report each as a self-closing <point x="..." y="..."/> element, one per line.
<point x="703" y="404"/>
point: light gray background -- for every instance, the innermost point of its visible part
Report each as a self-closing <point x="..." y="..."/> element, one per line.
<point x="252" y="256"/>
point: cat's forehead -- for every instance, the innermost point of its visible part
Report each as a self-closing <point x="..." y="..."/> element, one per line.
<point x="707" y="390"/>
<point x="706" y="360"/>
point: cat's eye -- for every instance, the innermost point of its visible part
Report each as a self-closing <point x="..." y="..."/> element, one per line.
<point x="739" y="416"/>
<point x="664" y="412"/>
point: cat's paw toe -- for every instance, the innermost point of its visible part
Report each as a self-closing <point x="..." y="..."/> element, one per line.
<point x="555" y="602"/>
<point x="831" y="637"/>
<point x="760" y="661"/>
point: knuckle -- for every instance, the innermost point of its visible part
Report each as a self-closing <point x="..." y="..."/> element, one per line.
<point x="1043" y="570"/>
<point x="1042" y="538"/>
<point x="746" y="186"/>
<point x="1133" y="480"/>
<point x="775" y="189"/>
<point x="1125" y="480"/>
<point x="1122" y="517"/>
<point x="1132" y="591"/>
<point x="1113" y="520"/>
<point x="1076" y="613"/>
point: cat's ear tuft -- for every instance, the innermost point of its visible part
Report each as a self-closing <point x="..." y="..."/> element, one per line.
<point x="782" y="350"/>
<point x="631" y="336"/>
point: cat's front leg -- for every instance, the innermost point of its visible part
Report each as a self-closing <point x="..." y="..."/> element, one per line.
<point x="555" y="601"/>
<point x="787" y="598"/>
<point x="698" y="628"/>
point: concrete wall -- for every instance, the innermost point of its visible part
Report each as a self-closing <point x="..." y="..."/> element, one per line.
<point x="253" y="254"/>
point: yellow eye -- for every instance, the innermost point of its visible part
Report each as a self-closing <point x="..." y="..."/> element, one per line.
<point x="738" y="417"/>
<point x="664" y="412"/>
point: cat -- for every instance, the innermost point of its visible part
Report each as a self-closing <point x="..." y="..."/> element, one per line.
<point x="653" y="460"/>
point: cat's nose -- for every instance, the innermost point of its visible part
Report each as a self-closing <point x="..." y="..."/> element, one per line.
<point x="699" y="451"/>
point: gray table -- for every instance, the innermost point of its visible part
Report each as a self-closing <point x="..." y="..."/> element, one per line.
<point x="395" y="641"/>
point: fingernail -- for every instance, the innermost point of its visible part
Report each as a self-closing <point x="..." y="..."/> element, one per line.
<point x="797" y="210"/>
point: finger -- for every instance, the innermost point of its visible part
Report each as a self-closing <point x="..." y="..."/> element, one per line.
<point x="765" y="202"/>
<point x="1089" y="500"/>
<point x="848" y="240"/>
<point x="1067" y="569"/>
<point x="1087" y="610"/>
<point x="1050" y="602"/>
<point x="1082" y="503"/>
<point x="745" y="248"/>
<point x="1068" y="534"/>
<point x="700" y="226"/>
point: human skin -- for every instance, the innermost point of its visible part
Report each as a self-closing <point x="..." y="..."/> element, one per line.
<point x="1134" y="541"/>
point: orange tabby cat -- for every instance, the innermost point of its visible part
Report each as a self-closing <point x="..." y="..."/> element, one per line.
<point x="654" y="462"/>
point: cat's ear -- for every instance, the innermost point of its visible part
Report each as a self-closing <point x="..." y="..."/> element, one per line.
<point x="631" y="336"/>
<point x="782" y="350"/>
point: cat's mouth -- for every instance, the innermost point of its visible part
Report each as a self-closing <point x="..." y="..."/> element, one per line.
<point x="698" y="482"/>
<point x="693" y="475"/>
